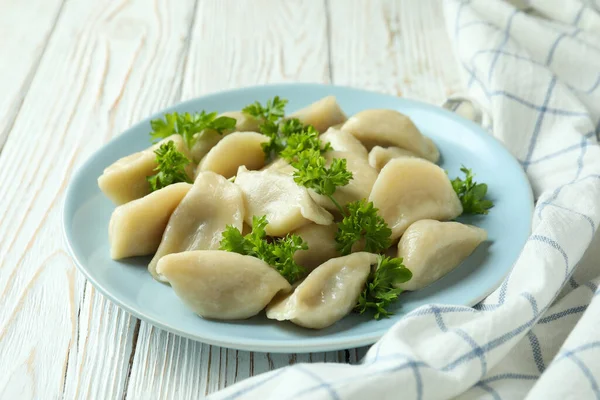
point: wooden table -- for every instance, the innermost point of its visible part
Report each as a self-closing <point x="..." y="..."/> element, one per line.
<point x="76" y="73"/>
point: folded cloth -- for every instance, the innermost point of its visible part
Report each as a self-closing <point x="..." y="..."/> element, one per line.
<point x="536" y="71"/>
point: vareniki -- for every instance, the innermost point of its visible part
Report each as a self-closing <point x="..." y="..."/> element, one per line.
<point x="308" y="216"/>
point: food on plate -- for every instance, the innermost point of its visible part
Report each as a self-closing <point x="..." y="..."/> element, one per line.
<point x="275" y="195"/>
<point x="321" y="114"/>
<point x="311" y="215"/>
<point x="327" y="294"/>
<point x="233" y="151"/>
<point x="410" y="189"/>
<point x="390" y="128"/>
<point x="380" y="156"/>
<point x="200" y="219"/>
<point x="126" y="179"/>
<point x="359" y="187"/>
<point x="222" y="285"/>
<point x="343" y="141"/>
<point x="431" y="249"/>
<point x="321" y="243"/>
<point x="136" y="228"/>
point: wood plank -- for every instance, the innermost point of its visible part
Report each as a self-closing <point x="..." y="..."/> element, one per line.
<point x="283" y="48"/>
<point x="398" y="47"/>
<point x="23" y="39"/>
<point x="107" y="65"/>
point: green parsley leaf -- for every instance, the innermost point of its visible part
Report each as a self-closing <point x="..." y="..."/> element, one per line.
<point x="282" y="257"/>
<point x="471" y="194"/>
<point x="312" y="173"/>
<point x="189" y="125"/>
<point x="379" y="292"/>
<point x="171" y="167"/>
<point x="277" y="143"/>
<point x="300" y="139"/>
<point x="362" y="222"/>
<point x="273" y="110"/>
<point x="278" y="253"/>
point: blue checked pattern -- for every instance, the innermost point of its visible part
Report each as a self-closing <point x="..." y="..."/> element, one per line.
<point x="536" y="335"/>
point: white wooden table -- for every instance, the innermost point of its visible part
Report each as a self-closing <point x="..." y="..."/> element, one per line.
<point x="76" y="73"/>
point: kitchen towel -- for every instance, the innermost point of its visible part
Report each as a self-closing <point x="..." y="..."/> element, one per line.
<point x="535" y="70"/>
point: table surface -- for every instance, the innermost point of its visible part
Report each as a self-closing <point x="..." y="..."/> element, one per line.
<point x="76" y="73"/>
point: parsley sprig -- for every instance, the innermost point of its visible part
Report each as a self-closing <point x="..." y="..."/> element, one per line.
<point x="379" y="291"/>
<point x="312" y="173"/>
<point x="271" y="115"/>
<point x="278" y="253"/>
<point x="471" y="194"/>
<point x="189" y="126"/>
<point x="272" y="111"/>
<point x="171" y="167"/>
<point x="363" y="223"/>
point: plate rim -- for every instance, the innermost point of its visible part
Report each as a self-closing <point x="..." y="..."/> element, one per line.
<point x="296" y="345"/>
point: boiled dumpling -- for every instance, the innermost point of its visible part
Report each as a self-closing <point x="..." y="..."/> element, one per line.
<point x="390" y="128"/>
<point x="200" y="219"/>
<point x="321" y="245"/>
<point x="238" y="148"/>
<point x="410" y="189"/>
<point x="222" y="285"/>
<point x="344" y="141"/>
<point x="380" y="156"/>
<point x="280" y="165"/>
<point x="243" y="122"/>
<point x="431" y="249"/>
<point x="321" y="114"/>
<point x="136" y="228"/>
<point x="208" y="138"/>
<point x="328" y="294"/>
<point x="359" y="187"/>
<point x="275" y="195"/>
<point x="125" y="180"/>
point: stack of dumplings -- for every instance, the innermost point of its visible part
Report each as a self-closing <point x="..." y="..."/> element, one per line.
<point x="181" y="225"/>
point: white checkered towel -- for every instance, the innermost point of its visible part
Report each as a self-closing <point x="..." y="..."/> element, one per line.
<point x="536" y="71"/>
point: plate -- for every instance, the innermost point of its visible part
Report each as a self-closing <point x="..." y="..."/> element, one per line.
<point x="128" y="284"/>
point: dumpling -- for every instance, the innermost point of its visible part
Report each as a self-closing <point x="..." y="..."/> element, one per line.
<point x="390" y="128"/>
<point x="243" y="122"/>
<point x="431" y="249"/>
<point x="280" y="165"/>
<point x="136" y="228"/>
<point x="410" y="189"/>
<point x="380" y="156"/>
<point x="328" y="294"/>
<point x="321" y="245"/>
<point x="238" y="148"/>
<point x="275" y="195"/>
<point x="125" y="180"/>
<point x="359" y="187"/>
<point x="208" y="138"/>
<point x="343" y="141"/>
<point x="222" y="285"/>
<point x="321" y="114"/>
<point x="199" y="220"/>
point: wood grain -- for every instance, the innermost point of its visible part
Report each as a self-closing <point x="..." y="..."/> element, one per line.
<point x="23" y="40"/>
<point x="399" y="47"/>
<point x="106" y="65"/>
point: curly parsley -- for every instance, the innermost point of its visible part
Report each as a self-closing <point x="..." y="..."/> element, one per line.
<point x="278" y="253"/>
<point x="189" y="125"/>
<point x="379" y="291"/>
<point x="171" y="167"/>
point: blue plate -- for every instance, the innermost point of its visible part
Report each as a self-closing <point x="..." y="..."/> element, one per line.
<point x="128" y="284"/>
